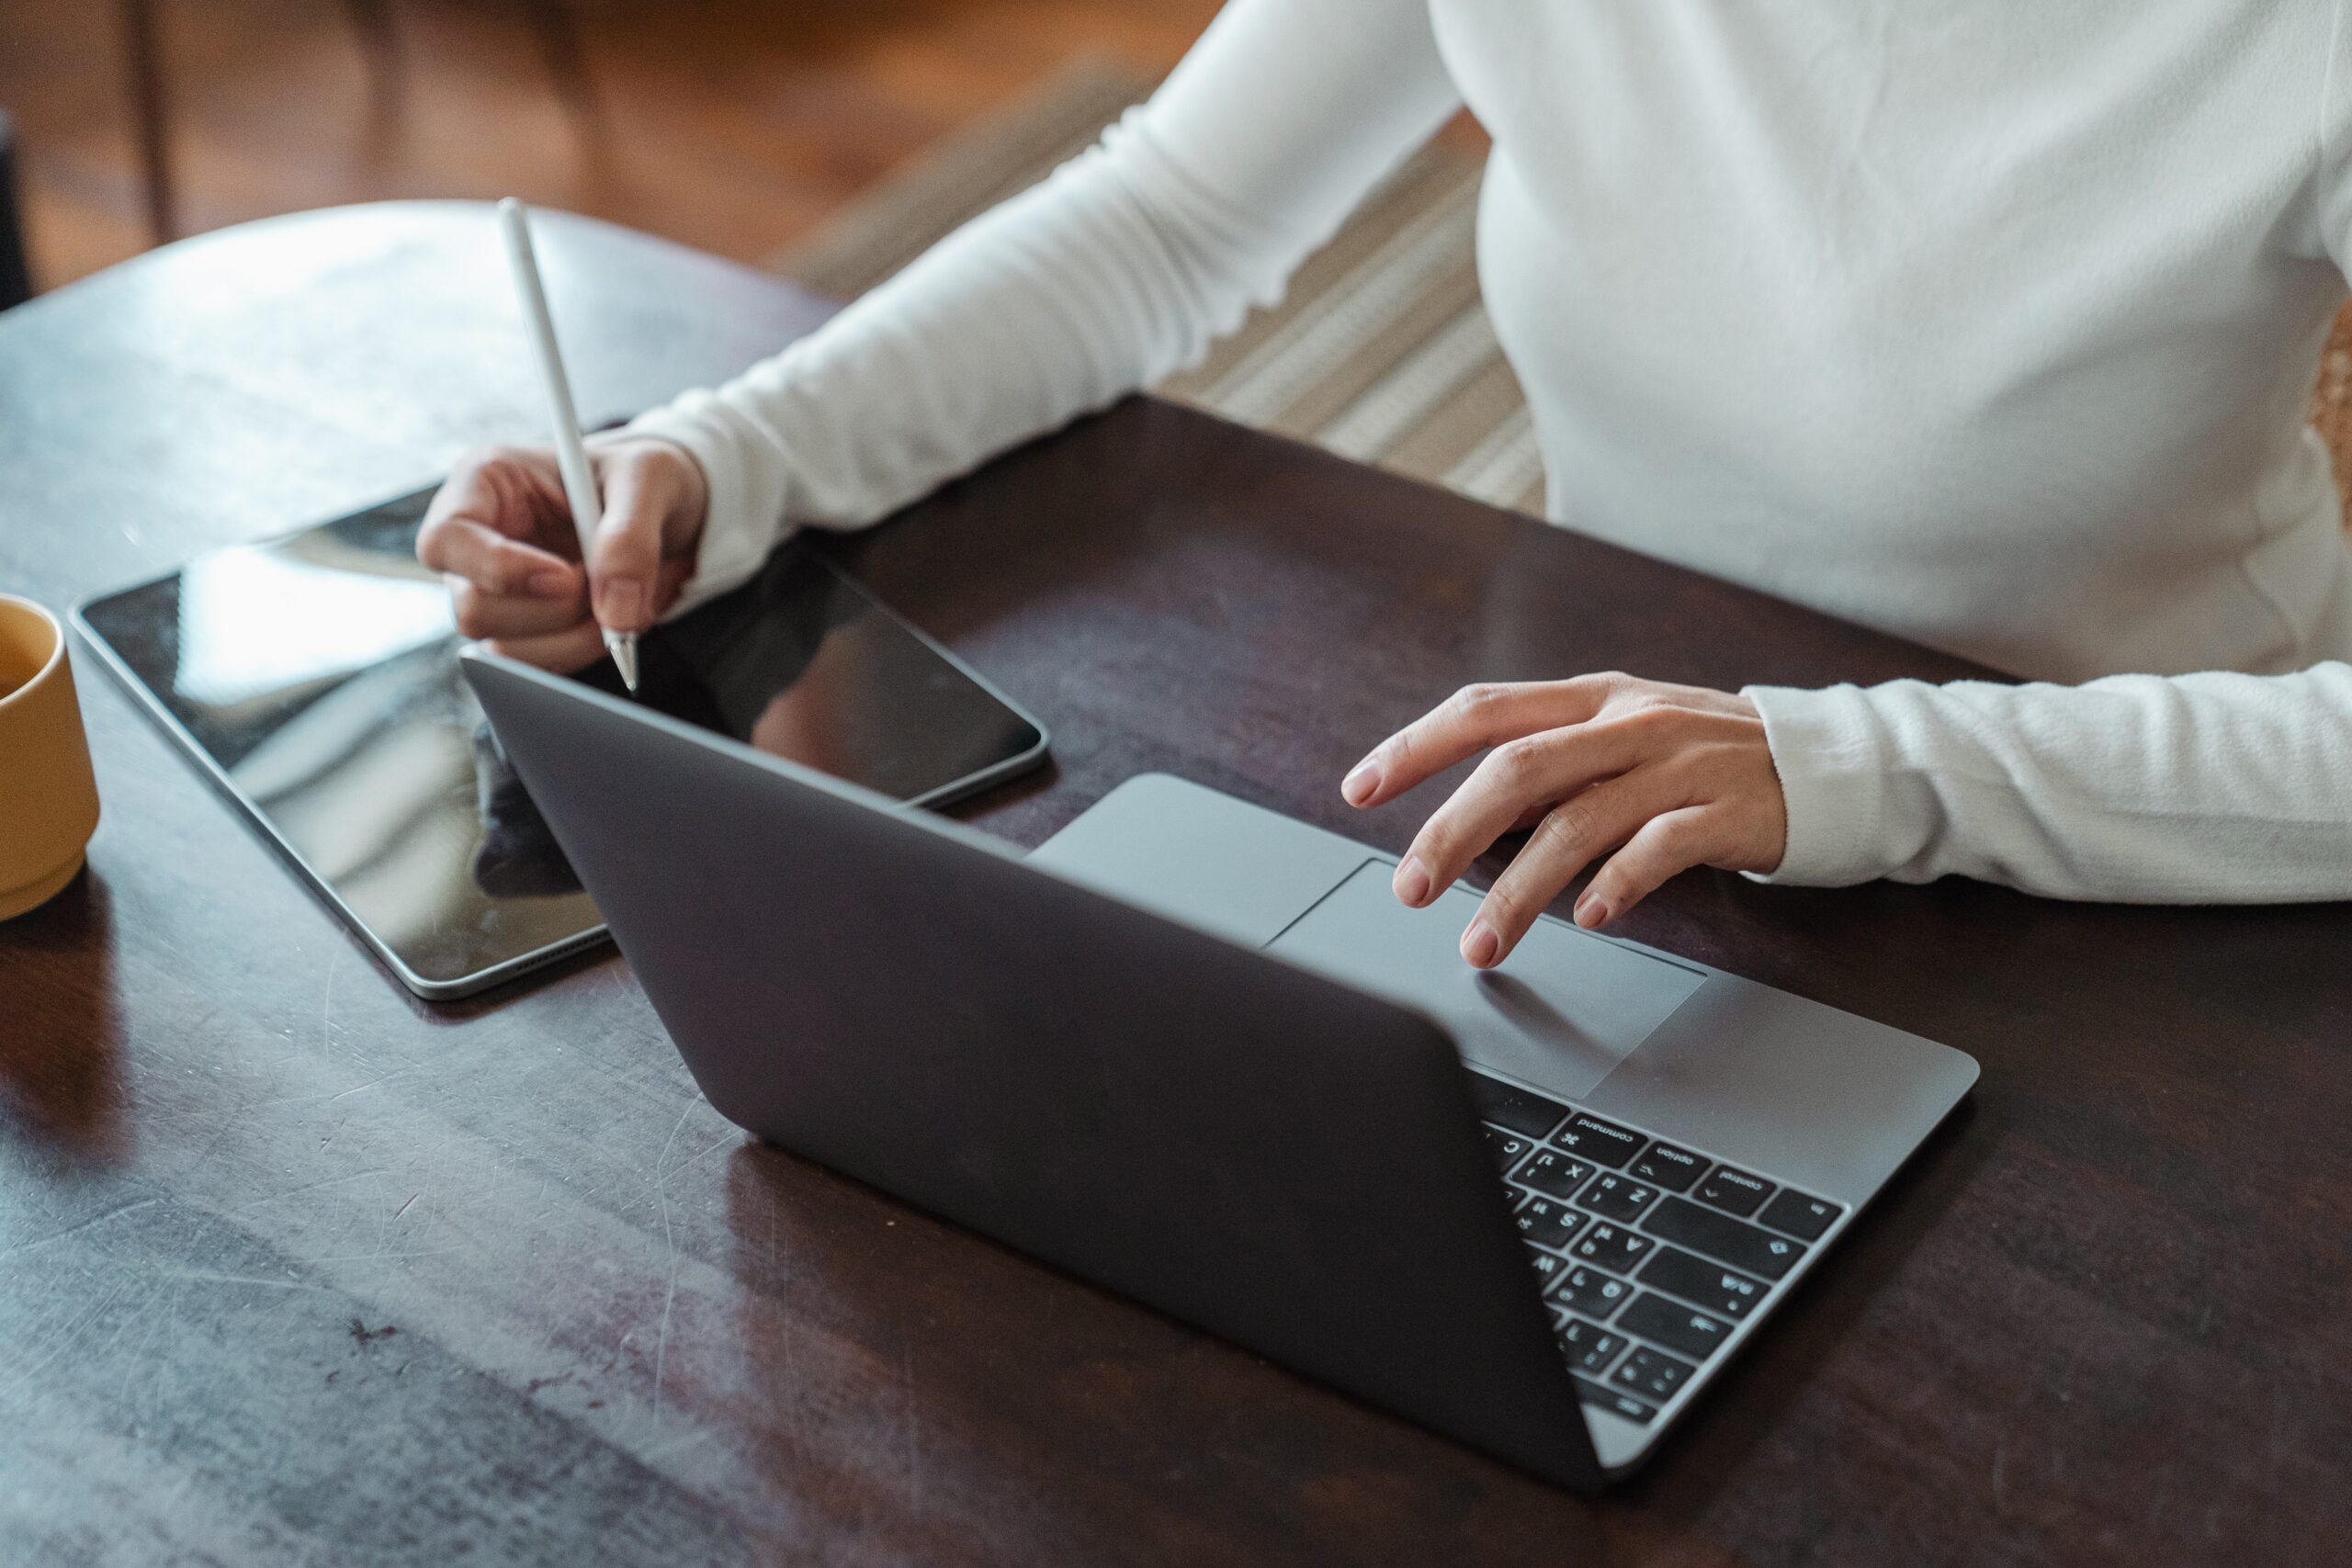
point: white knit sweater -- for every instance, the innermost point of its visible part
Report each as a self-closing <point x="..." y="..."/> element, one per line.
<point x="1987" y="322"/>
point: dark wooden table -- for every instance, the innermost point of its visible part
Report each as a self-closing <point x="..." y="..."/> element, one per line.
<point x="294" y="1268"/>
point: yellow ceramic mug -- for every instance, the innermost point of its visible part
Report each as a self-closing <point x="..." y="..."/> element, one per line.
<point x="49" y="801"/>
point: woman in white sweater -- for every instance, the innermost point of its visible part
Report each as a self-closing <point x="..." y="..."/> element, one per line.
<point x="1988" y="323"/>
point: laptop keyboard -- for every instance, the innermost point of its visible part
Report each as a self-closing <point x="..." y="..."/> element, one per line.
<point x="1649" y="1254"/>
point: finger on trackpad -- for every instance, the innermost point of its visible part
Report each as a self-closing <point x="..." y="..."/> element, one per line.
<point x="1561" y="1012"/>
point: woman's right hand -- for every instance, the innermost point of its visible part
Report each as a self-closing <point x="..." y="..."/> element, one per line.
<point x="501" y="531"/>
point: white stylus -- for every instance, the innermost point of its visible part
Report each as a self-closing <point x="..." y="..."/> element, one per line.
<point x="571" y="454"/>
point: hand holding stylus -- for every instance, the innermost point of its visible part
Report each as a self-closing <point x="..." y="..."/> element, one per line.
<point x="570" y="453"/>
<point x="510" y="523"/>
<point x="502" y="530"/>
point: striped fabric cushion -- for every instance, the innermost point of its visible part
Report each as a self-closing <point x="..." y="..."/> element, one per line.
<point x="1380" y="350"/>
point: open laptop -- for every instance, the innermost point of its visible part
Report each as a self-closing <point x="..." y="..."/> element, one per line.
<point x="1197" y="1052"/>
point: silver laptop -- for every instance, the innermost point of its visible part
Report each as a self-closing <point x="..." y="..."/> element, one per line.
<point x="1196" y="1051"/>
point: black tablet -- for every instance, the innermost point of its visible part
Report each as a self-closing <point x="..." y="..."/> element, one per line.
<point x="315" y="678"/>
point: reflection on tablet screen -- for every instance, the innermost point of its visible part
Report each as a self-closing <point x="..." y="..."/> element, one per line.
<point x="318" y="675"/>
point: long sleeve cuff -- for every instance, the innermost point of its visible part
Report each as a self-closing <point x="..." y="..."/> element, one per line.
<point x="736" y="534"/>
<point x="2156" y="789"/>
<point x="1826" y="745"/>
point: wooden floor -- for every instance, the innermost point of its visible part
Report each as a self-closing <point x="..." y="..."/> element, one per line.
<point x="731" y="125"/>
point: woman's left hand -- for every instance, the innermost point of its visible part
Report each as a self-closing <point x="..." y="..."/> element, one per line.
<point x="1668" y="776"/>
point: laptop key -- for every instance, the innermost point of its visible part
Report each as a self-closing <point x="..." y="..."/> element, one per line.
<point x="1588" y="1290"/>
<point x="1515" y="1109"/>
<point x="1721" y="1237"/>
<point x="1617" y="1197"/>
<point x="1509" y="1148"/>
<point x="1734" y="1191"/>
<point x="1669" y="1169"/>
<point x="1548" y="1222"/>
<point x="1615" y="1401"/>
<point x="1552" y="1173"/>
<point x="1710" y="1284"/>
<point x="1653" y="1374"/>
<point x="1589" y="1346"/>
<point x="1613" y="1247"/>
<point x="1682" y="1328"/>
<point x="1603" y="1142"/>
<point x="1802" y="1217"/>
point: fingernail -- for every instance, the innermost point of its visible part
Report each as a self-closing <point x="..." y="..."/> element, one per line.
<point x="1592" y="913"/>
<point x="549" y="580"/>
<point x="1412" y="881"/>
<point x="620" y="604"/>
<point x="1479" y="944"/>
<point x="1357" y="787"/>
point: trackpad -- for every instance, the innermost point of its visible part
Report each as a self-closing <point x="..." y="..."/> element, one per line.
<point x="1561" y="1010"/>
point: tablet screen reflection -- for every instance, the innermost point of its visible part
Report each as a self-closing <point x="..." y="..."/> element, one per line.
<point x="318" y="674"/>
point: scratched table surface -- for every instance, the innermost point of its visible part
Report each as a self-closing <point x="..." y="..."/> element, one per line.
<point x="296" y="1268"/>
